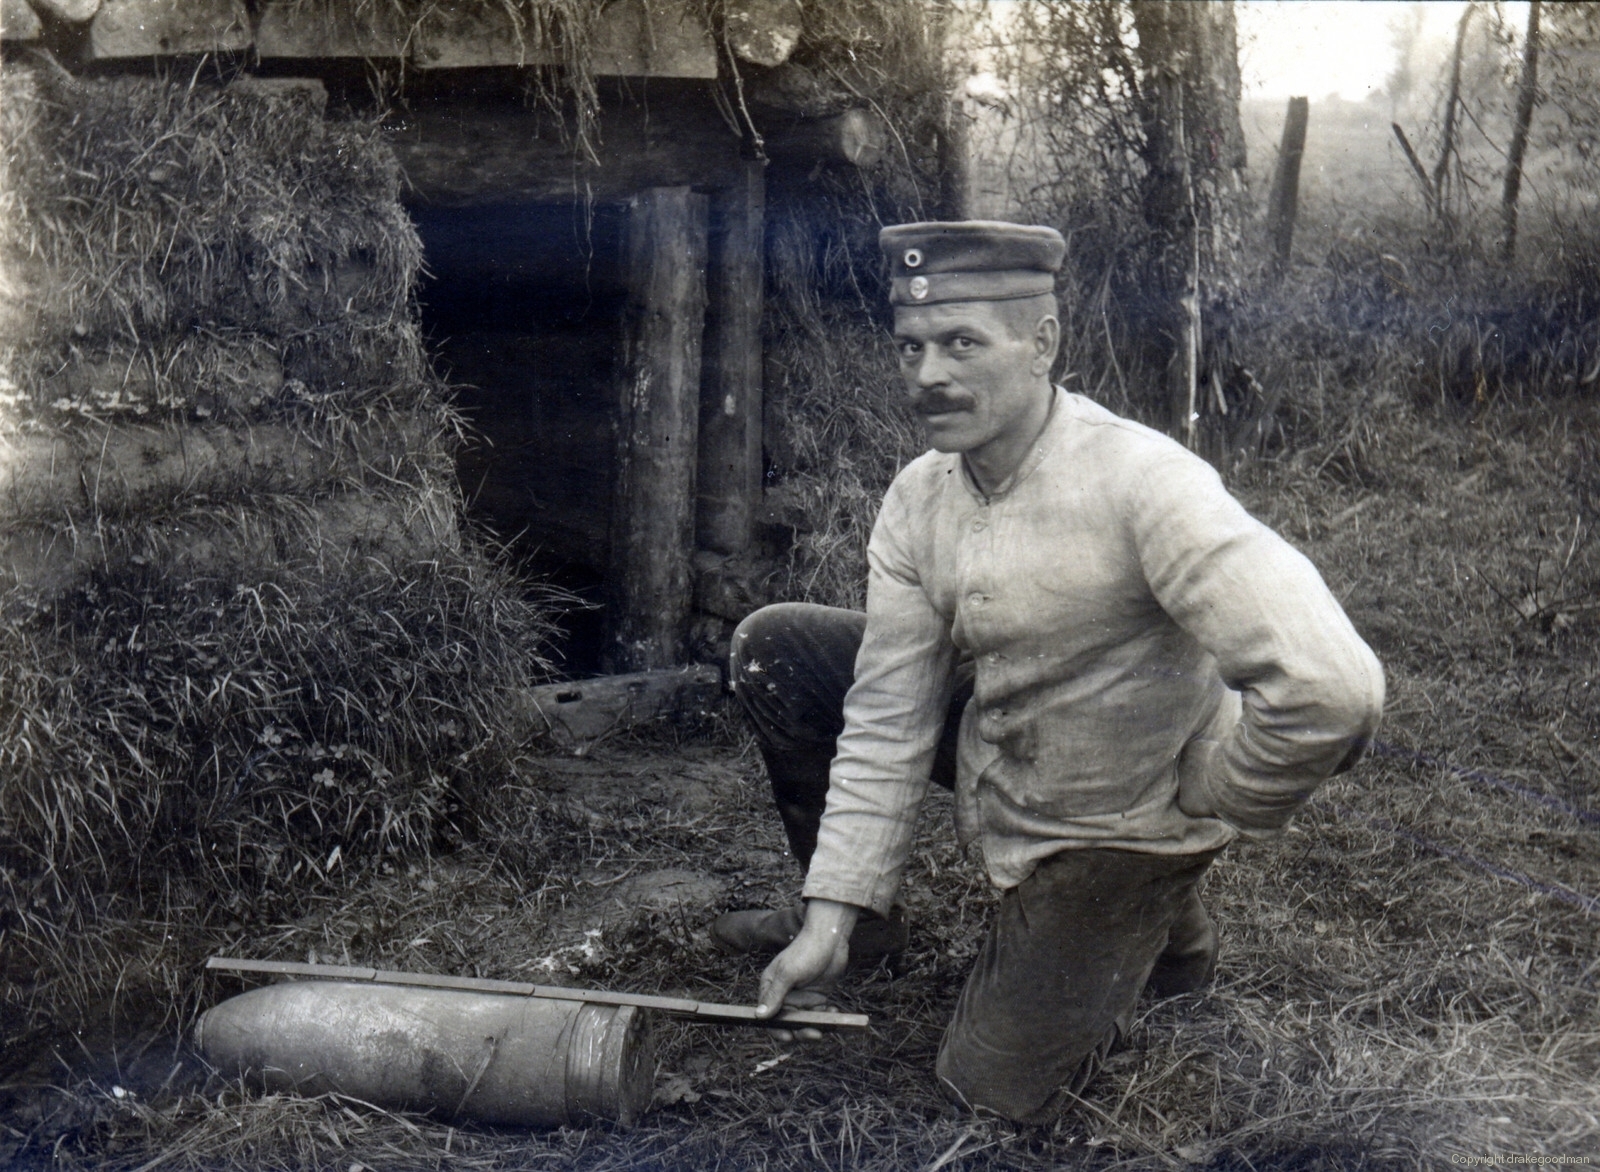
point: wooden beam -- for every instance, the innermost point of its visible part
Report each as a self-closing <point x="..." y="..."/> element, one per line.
<point x="461" y="154"/>
<point x="157" y="28"/>
<point x="730" y="406"/>
<point x="576" y="715"/>
<point x="858" y="136"/>
<point x="652" y="520"/>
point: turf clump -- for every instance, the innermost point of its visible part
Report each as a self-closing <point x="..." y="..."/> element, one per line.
<point x="249" y="654"/>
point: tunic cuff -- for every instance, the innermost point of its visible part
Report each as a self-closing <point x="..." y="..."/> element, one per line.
<point x="874" y="896"/>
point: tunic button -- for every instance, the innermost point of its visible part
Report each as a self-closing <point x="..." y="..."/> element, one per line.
<point x="975" y="598"/>
<point x="979" y="525"/>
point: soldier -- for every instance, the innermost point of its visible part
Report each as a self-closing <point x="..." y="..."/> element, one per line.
<point x="1073" y="624"/>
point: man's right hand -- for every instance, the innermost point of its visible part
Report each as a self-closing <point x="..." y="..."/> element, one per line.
<point x="814" y="959"/>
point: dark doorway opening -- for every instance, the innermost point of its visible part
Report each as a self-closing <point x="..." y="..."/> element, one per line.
<point x="522" y="308"/>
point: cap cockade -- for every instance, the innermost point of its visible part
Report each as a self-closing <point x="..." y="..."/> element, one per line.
<point x="969" y="260"/>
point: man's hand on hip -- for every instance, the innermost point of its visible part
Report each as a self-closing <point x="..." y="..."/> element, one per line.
<point x="813" y="960"/>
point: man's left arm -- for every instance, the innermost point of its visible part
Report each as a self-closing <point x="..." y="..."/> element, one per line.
<point x="1311" y="690"/>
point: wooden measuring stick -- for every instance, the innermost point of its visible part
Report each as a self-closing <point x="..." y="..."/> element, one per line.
<point x="709" y="1011"/>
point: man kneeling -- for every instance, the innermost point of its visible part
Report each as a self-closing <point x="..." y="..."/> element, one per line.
<point x="1073" y="625"/>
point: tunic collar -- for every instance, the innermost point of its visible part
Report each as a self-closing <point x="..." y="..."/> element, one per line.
<point x="1049" y="437"/>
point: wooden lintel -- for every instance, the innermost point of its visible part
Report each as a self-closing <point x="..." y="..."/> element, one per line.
<point x="156" y="28"/>
<point x="462" y="154"/>
<point x="658" y="418"/>
<point x="730" y="405"/>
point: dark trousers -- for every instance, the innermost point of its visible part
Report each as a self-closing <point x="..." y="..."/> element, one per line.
<point x="1071" y="946"/>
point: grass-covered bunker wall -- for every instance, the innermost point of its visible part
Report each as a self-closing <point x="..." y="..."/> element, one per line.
<point x="246" y="650"/>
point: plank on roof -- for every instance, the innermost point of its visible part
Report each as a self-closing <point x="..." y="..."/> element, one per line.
<point x="654" y="38"/>
<point x="155" y="28"/>
<point x="18" y="22"/>
<point x="631" y="38"/>
<point x="329" y="28"/>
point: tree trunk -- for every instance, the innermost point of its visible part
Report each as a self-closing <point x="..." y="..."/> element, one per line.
<point x="1284" y="201"/>
<point x="1194" y="158"/>
<point x="652" y="520"/>
<point x="1447" y="145"/>
<point x="1527" y="92"/>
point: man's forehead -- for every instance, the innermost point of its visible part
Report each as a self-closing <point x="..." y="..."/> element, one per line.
<point x="946" y="315"/>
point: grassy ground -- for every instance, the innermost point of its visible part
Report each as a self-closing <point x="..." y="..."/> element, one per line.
<point x="1409" y="975"/>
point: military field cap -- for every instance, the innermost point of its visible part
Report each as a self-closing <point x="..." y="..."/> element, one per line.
<point x="970" y="260"/>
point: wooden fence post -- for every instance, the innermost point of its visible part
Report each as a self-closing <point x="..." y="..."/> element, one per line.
<point x="730" y="406"/>
<point x="1283" y="204"/>
<point x="652" y="517"/>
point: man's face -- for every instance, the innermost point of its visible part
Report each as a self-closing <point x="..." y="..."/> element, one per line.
<point x="971" y="380"/>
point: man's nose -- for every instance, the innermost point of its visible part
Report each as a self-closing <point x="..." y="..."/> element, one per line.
<point x="930" y="369"/>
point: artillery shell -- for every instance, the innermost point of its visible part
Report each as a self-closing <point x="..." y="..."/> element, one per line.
<point x="517" y="1060"/>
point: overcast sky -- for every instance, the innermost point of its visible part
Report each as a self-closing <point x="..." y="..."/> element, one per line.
<point x="1319" y="47"/>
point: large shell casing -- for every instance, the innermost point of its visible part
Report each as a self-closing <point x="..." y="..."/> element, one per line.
<point x="529" y="1061"/>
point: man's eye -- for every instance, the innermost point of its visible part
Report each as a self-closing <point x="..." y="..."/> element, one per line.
<point x="960" y="343"/>
<point x="909" y="349"/>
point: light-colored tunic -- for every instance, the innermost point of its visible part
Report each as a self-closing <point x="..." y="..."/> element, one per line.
<point x="1134" y="632"/>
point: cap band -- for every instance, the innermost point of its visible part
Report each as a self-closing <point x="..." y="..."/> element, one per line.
<point x="935" y="288"/>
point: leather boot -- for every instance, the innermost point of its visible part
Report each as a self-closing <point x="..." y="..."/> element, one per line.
<point x="765" y="933"/>
<point x="1189" y="961"/>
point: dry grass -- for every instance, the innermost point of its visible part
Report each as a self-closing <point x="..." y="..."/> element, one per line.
<point x="223" y="693"/>
<point x="837" y="400"/>
<point x="1403" y="979"/>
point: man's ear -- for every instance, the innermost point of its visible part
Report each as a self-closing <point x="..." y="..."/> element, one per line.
<point x="1046" y="342"/>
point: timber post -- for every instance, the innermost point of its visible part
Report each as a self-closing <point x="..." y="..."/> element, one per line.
<point x="730" y="404"/>
<point x="1284" y="202"/>
<point x="652" y="520"/>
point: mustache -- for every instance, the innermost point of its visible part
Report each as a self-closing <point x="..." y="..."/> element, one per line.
<point x="939" y="404"/>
